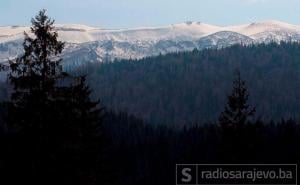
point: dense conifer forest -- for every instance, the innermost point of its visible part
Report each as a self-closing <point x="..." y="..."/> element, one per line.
<point x="191" y="87"/>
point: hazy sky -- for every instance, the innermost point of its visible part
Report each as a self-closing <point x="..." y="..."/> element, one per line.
<point x="132" y="13"/>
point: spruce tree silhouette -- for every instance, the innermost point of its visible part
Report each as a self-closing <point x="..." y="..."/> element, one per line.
<point x="234" y="122"/>
<point x="53" y="125"/>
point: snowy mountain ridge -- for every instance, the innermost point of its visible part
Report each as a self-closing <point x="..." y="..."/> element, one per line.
<point x="90" y="44"/>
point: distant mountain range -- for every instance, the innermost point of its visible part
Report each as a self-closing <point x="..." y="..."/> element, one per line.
<point x="88" y="44"/>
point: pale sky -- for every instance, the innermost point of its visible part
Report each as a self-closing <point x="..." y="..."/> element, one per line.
<point x="137" y="13"/>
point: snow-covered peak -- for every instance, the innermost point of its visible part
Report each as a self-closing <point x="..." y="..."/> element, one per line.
<point x="265" y="26"/>
<point x="198" y="26"/>
<point x="76" y="33"/>
<point x="74" y="27"/>
<point x="273" y="23"/>
<point x="12" y="30"/>
<point x="85" y="43"/>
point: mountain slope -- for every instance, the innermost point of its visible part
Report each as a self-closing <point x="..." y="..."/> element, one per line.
<point x="89" y="44"/>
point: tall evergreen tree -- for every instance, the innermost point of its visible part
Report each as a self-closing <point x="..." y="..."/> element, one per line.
<point x="237" y="111"/>
<point x="234" y="123"/>
<point x="33" y="76"/>
<point x="53" y="125"/>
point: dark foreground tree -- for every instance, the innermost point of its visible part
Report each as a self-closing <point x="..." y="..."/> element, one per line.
<point x="237" y="111"/>
<point x="52" y="134"/>
<point x="234" y="122"/>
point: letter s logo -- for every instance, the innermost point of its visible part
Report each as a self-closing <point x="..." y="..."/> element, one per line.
<point x="187" y="176"/>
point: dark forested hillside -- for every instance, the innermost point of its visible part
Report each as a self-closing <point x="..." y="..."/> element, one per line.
<point x="192" y="87"/>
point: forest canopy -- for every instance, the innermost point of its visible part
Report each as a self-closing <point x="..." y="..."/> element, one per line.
<point x="191" y="87"/>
